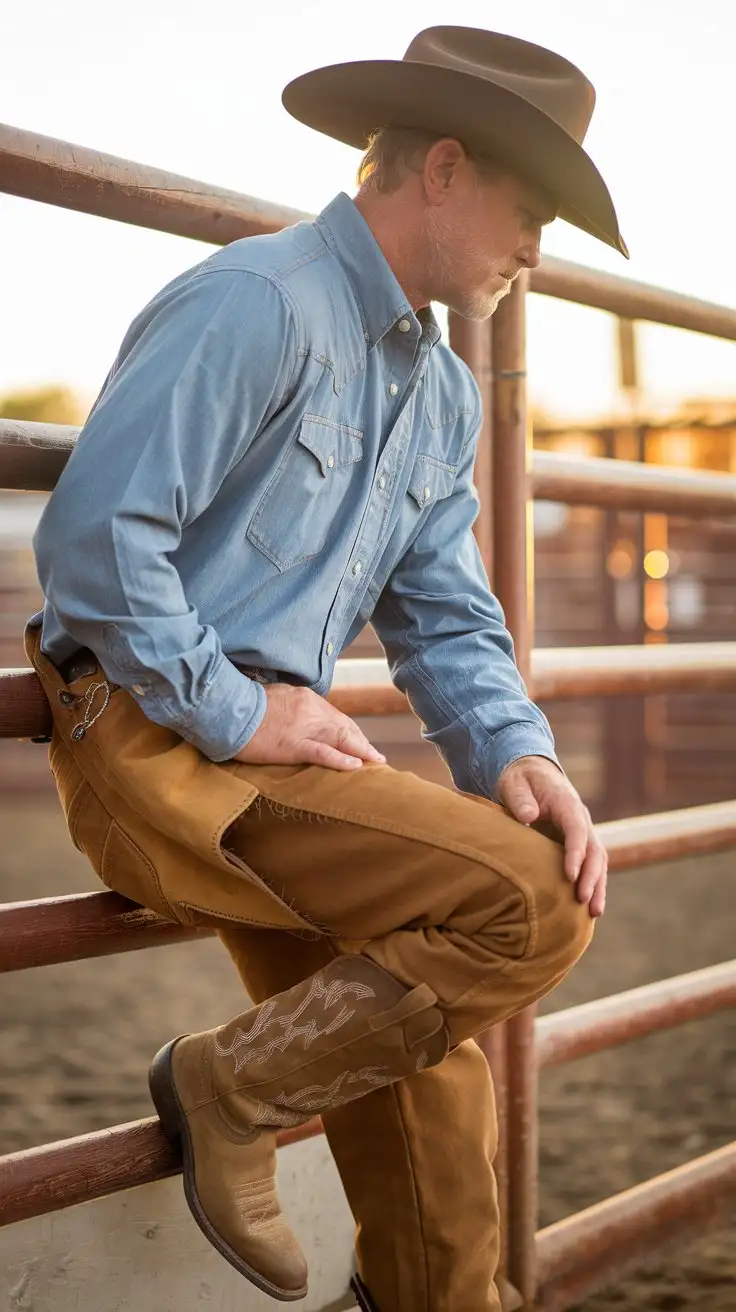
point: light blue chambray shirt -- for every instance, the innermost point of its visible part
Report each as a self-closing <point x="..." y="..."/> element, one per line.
<point x="283" y="451"/>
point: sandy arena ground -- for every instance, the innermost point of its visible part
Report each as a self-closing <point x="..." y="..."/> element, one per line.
<point x="75" y="1041"/>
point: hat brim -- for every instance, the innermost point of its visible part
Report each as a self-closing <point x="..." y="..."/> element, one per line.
<point x="351" y="101"/>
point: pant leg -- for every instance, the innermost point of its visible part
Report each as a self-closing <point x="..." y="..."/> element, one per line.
<point x="436" y="887"/>
<point x="403" y="1153"/>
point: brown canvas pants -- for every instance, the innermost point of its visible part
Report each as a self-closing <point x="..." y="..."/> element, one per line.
<point x="294" y="864"/>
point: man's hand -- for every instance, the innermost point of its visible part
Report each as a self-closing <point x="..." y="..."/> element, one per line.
<point x="301" y="727"/>
<point x="532" y="788"/>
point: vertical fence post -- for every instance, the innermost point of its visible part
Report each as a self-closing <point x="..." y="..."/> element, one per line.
<point x="513" y="584"/>
<point x="471" y="340"/>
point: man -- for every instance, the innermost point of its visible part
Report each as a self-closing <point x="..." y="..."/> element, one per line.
<point x="282" y="452"/>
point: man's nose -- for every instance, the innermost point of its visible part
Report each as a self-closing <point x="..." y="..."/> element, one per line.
<point x="529" y="255"/>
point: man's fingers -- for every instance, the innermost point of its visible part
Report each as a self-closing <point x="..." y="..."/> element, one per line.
<point x="598" y="900"/>
<point x="521" y="801"/>
<point x="592" y="880"/>
<point x="346" y="737"/>
<point x="570" y="817"/>
<point x="317" y="753"/>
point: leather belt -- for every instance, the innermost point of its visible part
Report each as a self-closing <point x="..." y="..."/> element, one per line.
<point x="84" y="662"/>
<point x="264" y="676"/>
<point x="77" y="666"/>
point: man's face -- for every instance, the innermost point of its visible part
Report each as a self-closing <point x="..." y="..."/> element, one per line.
<point x="480" y="235"/>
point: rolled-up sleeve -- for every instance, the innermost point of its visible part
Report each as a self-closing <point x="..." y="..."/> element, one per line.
<point x="196" y="380"/>
<point x="449" y="650"/>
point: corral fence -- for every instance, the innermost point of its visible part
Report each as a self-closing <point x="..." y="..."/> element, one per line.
<point x="565" y="1262"/>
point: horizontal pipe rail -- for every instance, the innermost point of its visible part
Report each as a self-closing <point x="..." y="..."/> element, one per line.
<point x="363" y="686"/>
<point x="598" y="1246"/>
<point x="564" y="673"/>
<point x="667" y="835"/>
<point x="629" y="299"/>
<point x="606" y="1022"/>
<point x="36" y="1181"/>
<point x="78" y="178"/>
<point x="32" y="457"/>
<point x="631" y="485"/>
<point x="48" y="931"/>
<point x="575" y="1256"/>
<point x="91" y="182"/>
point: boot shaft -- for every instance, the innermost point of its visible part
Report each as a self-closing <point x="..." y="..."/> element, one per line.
<point x="331" y="1038"/>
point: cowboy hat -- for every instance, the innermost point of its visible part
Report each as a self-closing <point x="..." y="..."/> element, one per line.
<point x="524" y="105"/>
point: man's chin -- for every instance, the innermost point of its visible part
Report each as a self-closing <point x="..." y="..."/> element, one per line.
<point x="479" y="305"/>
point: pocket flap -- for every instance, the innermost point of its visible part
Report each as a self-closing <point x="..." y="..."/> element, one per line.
<point x="431" y="480"/>
<point x="333" y="444"/>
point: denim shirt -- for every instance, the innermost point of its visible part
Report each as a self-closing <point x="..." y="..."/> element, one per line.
<point x="283" y="451"/>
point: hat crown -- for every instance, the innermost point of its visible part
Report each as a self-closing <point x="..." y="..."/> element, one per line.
<point x="545" y="79"/>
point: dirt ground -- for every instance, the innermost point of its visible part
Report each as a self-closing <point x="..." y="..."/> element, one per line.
<point x="75" y="1041"/>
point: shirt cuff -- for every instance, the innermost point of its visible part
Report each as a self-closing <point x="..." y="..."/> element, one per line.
<point x="228" y="715"/>
<point x="509" y="745"/>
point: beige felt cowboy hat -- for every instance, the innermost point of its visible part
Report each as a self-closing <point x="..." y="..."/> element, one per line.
<point x="522" y="104"/>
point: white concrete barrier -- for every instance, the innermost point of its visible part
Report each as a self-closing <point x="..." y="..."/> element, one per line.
<point x="140" y="1251"/>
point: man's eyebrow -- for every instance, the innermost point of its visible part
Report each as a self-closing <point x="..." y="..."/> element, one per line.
<point x="543" y="214"/>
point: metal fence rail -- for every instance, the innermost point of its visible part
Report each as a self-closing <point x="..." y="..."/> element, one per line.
<point x="74" y="177"/>
<point x="565" y="1262"/>
<point x="32" y="457"/>
<point x="362" y="686"/>
<point x="76" y="927"/>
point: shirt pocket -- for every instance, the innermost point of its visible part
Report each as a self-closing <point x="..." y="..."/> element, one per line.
<point x="430" y="480"/>
<point x="293" y="517"/>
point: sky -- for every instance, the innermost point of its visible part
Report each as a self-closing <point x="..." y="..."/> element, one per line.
<point x="196" y="89"/>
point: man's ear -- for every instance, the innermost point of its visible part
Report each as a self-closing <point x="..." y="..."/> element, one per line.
<point x="441" y="164"/>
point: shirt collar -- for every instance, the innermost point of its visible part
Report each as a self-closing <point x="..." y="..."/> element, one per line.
<point x="380" y="297"/>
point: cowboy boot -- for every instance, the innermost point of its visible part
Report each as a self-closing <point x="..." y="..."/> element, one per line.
<point x="335" y="1036"/>
<point x="510" y="1297"/>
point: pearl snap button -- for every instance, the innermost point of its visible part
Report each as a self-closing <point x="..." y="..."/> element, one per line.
<point x="404" y="325"/>
<point x="393" y="388"/>
<point x="382" y="482"/>
<point x="329" y="649"/>
<point x="427" y="493"/>
<point x="330" y="462"/>
<point x="357" y="567"/>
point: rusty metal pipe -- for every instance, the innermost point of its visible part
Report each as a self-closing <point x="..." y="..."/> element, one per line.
<point x="471" y="340"/>
<point x="363" y="687"/>
<point x="46" y="931"/>
<point x="587" y="1251"/>
<point x="513" y="585"/>
<point x="629" y="299"/>
<point x="562" y="673"/>
<point x="75" y="177"/>
<point x="40" y="1180"/>
<point x="668" y="835"/>
<point x="630" y="485"/>
<point x="33" y="455"/>
<point x="606" y="1022"/>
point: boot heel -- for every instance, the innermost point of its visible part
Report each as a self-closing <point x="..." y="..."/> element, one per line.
<point x="365" y="1302"/>
<point x="163" y="1093"/>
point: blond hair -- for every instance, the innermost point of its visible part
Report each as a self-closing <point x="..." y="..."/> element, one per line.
<point x="393" y="153"/>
